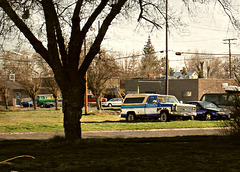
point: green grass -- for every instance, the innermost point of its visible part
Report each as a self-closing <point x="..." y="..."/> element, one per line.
<point x="52" y="121"/>
<point x="206" y="153"/>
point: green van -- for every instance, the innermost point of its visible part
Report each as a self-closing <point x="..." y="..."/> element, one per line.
<point x="42" y="99"/>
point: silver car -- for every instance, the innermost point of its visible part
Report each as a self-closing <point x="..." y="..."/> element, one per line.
<point x="113" y="102"/>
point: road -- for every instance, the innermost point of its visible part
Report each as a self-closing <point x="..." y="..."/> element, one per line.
<point x="118" y="134"/>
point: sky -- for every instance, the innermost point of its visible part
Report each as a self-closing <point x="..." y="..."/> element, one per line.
<point x="203" y="33"/>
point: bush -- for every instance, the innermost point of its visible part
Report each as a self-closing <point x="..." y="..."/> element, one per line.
<point x="232" y="127"/>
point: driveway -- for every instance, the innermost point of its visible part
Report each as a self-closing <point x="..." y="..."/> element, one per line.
<point x="118" y="134"/>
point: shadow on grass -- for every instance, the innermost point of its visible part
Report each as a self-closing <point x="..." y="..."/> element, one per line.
<point x="198" y="153"/>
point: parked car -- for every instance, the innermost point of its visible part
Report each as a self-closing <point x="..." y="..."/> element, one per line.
<point x="53" y="104"/>
<point x="92" y="100"/>
<point x="222" y="100"/>
<point x="113" y="102"/>
<point x="27" y="103"/>
<point x="209" y="111"/>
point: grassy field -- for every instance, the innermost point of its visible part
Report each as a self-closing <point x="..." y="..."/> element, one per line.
<point x="52" y="121"/>
<point x="178" y="154"/>
<point x="206" y="153"/>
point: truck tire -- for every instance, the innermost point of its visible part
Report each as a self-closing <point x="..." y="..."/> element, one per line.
<point x="164" y="117"/>
<point x="131" y="117"/>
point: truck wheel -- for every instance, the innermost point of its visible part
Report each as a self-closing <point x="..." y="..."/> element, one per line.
<point x="164" y="117"/>
<point x="131" y="117"/>
<point x="208" y="117"/>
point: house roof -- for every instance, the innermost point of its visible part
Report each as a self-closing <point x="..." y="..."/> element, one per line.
<point x="178" y="74"/>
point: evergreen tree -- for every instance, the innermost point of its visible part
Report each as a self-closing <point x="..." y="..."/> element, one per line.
<point x="150" y="66"/>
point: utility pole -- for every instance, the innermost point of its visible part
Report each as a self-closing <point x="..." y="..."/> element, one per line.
<point x="230" y="60"/>
<point x="167" y="63"/>
<point x="86" y="86"/>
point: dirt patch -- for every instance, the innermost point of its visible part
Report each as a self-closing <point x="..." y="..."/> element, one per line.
<point x="107" y="112"/>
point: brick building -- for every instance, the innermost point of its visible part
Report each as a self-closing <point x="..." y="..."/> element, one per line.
<point x="183" y="89"/>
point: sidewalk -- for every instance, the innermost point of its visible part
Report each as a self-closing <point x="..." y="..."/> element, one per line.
<point x="117" y="134"/>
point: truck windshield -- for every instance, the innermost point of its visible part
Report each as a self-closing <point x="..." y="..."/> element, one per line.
<point x="167" y="99"/>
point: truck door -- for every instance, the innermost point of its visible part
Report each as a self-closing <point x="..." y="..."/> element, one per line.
<point x="151" y="106"/>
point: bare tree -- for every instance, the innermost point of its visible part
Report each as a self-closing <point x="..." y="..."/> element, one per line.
<point x="100" y="71"/>
<point x="4" y="91"/>
<point x="62" y="27"/>
<point x="30" y="77"/>
<point x="49" y="81"/>
<point x="129" y="67"/>
<point x="53" y="89"/>
<point x="215" y="68"/>
<point x="32" y="87"/>
<point x="195" y="63"/>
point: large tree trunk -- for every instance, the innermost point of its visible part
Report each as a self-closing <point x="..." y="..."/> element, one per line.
<point x="73" y="102"/>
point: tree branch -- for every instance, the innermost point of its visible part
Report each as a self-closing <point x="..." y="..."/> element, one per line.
<point x="102" y="32"/>
<point x="54" y="34"/>
<point x="37" y="45"/>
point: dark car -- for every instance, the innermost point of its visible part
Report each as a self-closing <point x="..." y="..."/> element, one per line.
<point x="27" y="103"/>
<point x="209" y="111"/>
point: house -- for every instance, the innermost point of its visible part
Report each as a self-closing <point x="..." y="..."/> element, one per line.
<point x="190" y="75"/>
<point x="16" y="94"/>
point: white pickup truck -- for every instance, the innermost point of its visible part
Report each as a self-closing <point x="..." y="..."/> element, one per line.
<point x="156" y="106"/>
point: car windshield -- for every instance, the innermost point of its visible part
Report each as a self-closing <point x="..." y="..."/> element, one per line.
<point x="167" y="99"/>
<point x="209" y="105"/>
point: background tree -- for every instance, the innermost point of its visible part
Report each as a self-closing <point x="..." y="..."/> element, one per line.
<point x="30" y="76"/>
<point x="215" y="68"/>
<point x="150" y="66"/>
<point x="171" y="71"/>
<point x="128" y="67"/>
<point x="4" y="89"/>
<point x="184" y="71"/>
<point x="49" y="81"/>
<point x="54" y="89"/>
<point x="195" y="63"/>
<point x="100" y="71"/>
<point x="62" y="26"/>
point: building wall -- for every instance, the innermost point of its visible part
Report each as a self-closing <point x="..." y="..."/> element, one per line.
<point x="183" y="89"/>
<point x="144" y="86"/>
<point x="213" y="86"/>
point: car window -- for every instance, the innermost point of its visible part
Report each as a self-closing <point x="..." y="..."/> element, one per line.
<point x="134" y="100"/>
<point x="151" y="100"/>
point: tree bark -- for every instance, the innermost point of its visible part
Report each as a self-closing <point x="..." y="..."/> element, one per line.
<point x="5" y="99"/>
<point x="73" y="102"/>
